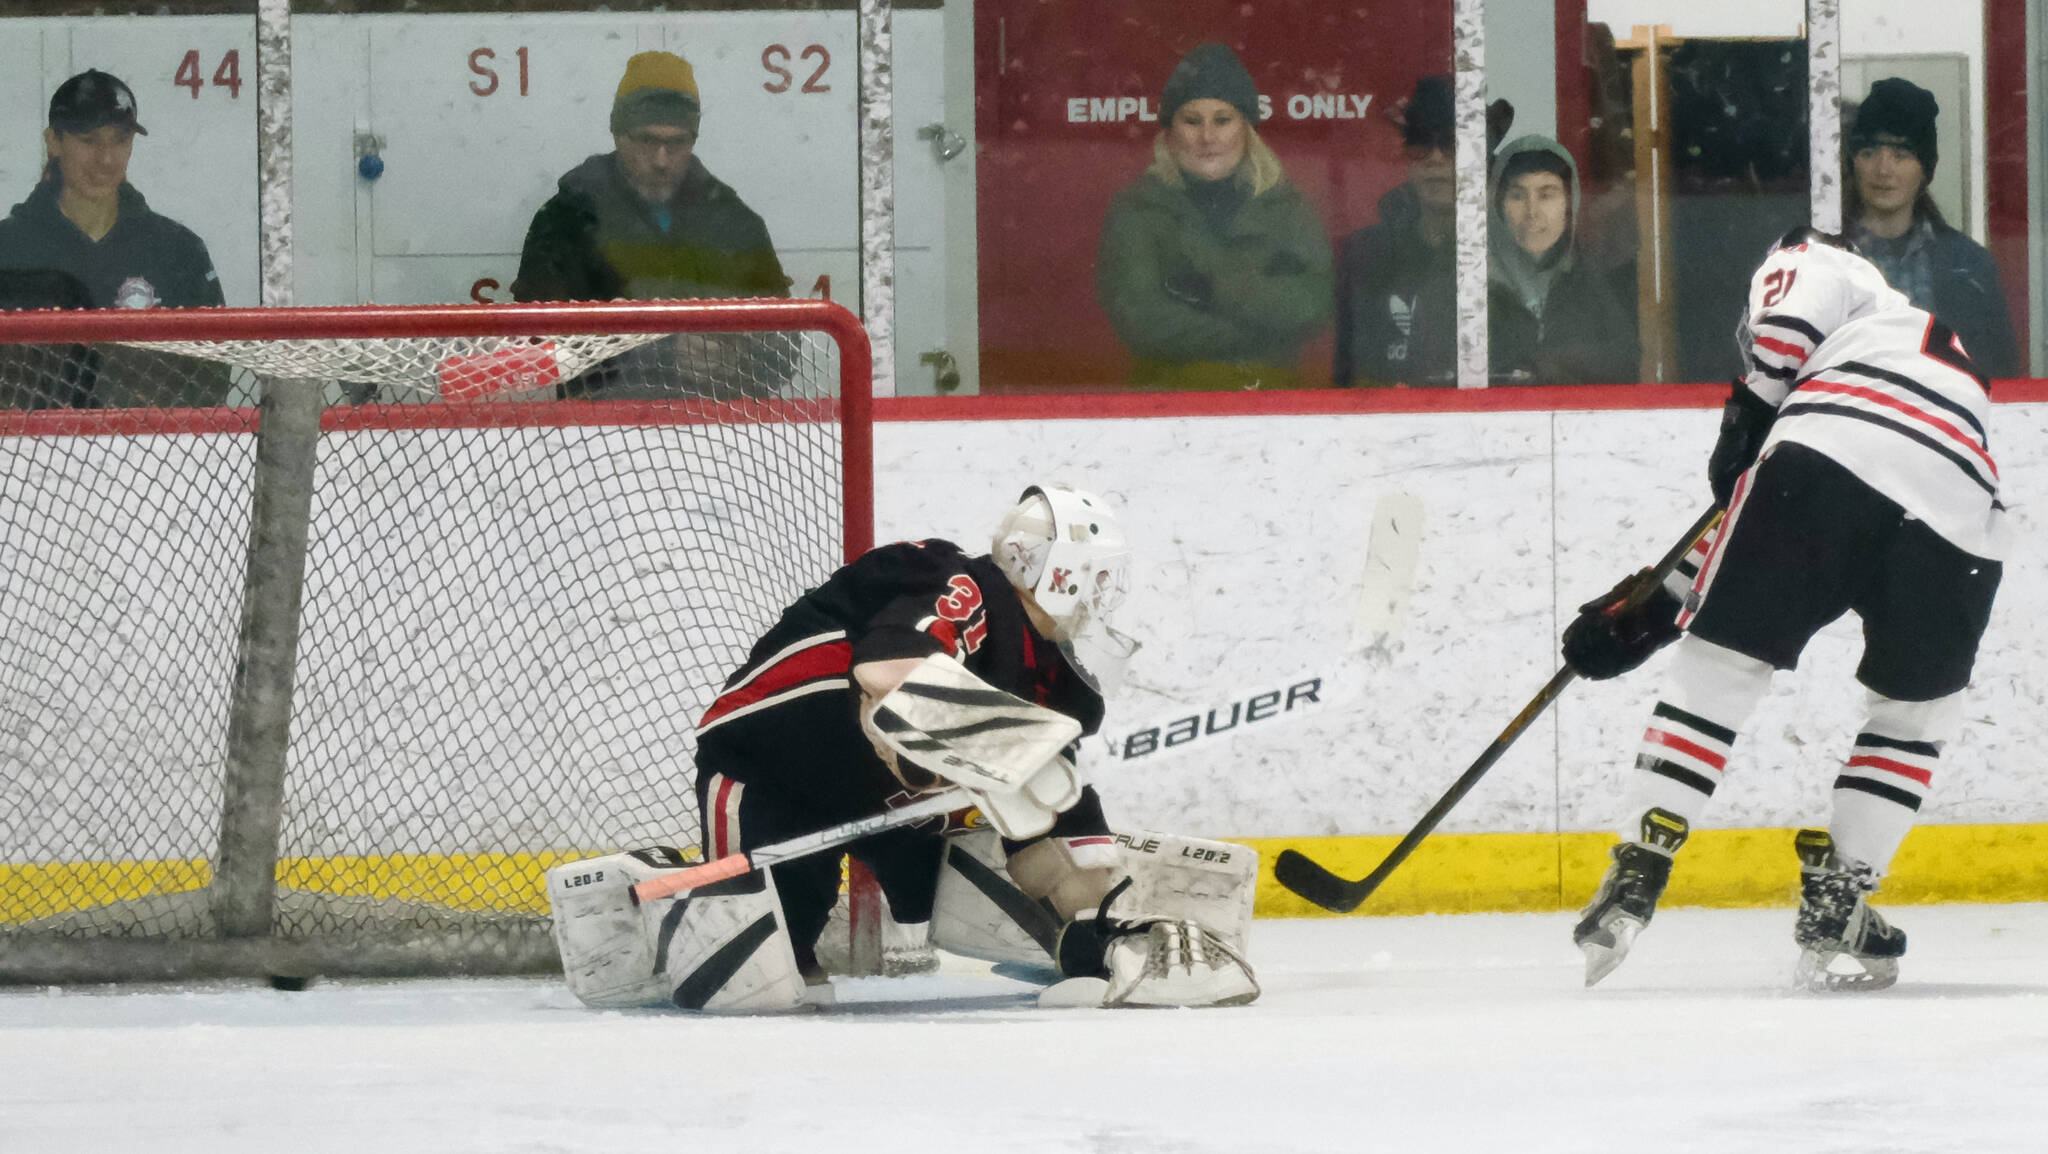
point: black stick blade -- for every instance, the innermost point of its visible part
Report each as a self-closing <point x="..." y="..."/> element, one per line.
<point x="1301" y="874"/>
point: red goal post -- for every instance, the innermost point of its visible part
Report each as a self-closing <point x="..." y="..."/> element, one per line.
<point x="325" y="682"/>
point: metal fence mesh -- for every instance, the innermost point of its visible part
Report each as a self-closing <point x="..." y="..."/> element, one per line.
<point x="518" y="597"/>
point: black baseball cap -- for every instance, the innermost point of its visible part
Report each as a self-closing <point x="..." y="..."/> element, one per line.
<point x="93" y="99"/>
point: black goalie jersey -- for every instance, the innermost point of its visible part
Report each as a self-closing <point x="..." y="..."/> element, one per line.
<point x="789" y="718"/>
<point x="1878" y="386"/>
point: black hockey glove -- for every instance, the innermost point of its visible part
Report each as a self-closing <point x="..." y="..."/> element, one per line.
<point x="1745" y="422"/>
<point x="1611" y="637"/>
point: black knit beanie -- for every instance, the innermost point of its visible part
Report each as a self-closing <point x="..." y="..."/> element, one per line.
<point x="1901" y="109"/>
<point x="1429" y="119"/>
<point x="1211" y="72"/>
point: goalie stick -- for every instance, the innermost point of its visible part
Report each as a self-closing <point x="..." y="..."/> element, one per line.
<point x="746" y="861"/>
<point x="1301" y="874"/>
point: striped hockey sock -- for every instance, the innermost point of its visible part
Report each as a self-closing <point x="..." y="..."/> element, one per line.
<point x="1678" y="766"/>
<point x="1692" y="730"/>
<point x="1890" y="769"/>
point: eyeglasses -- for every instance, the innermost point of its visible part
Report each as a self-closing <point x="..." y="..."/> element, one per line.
<point x="650" y="142"/>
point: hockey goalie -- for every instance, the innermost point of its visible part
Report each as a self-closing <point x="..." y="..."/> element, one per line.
<point x="919" y="668"/>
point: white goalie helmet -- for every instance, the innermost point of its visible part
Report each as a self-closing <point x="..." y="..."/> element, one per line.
<point x="1066" y="548"/>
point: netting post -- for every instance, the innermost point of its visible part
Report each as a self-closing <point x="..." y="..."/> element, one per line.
<point x="260" y="709"/>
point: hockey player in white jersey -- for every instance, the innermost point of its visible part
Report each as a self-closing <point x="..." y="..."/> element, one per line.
<point x="1856" y="470"/>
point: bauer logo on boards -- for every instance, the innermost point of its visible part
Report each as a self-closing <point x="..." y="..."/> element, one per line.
<point x="1218" y="721"/>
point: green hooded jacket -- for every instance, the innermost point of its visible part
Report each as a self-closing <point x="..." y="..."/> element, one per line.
<point x="1203" y="309"/>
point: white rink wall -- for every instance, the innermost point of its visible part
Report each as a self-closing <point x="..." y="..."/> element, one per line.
<point x="1252" y="534"/>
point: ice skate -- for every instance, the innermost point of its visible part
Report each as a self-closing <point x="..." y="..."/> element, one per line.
<point x="1627" y="897"/>
<point x="1843" y="943"/>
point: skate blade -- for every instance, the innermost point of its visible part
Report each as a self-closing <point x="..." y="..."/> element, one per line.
<point x="1606" y="947"/>
<point x="1822" y="971"/>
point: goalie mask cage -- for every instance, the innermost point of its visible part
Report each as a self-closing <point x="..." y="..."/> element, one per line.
<point x="324" y="684"/>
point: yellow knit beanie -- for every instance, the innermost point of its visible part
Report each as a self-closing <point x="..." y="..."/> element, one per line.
<point x="658" y="88"/>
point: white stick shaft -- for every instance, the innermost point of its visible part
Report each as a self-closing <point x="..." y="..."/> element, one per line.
<point x="733" y="865"/>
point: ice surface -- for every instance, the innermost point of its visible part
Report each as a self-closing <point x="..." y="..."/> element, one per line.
<point x="1375" y="1034"/>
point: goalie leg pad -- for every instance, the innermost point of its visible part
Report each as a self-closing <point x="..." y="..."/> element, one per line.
<point x="1175" y="963"/>
<point x="723" y="949"/>
<point x="720" y="948"/>
<point x="1192" y="879"/>
<point x="607" y="941"/>
<point x="982" y="912"/>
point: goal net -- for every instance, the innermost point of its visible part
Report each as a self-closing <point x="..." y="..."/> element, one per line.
<point x="318" y="650"/>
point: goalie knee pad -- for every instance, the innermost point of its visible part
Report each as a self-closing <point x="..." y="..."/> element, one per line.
<point x="1071" y="874"/>
<point x="719" y="948"/>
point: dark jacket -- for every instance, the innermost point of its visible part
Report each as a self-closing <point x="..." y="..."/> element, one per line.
<point x="1967" y="295"/>
<point x="144" y="261"/>
<point x="1583" y="338"/>
<point x="1203" y="309"/>
<point x="1397" y="302"/>
<point x="596" y="240"/>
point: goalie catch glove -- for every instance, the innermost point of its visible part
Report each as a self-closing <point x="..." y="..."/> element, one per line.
<point x="1611" y="636"/>
<point x="1152" y="961"/>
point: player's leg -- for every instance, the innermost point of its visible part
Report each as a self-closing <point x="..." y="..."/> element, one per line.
<point x="1709" y="693"/>
<point x="1924" y="613"/>
<point x="738" y="815"/>
<point x="1786" y="564"/>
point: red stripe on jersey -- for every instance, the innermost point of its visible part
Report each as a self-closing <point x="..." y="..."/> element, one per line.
<point x="1913" y="411"/>
<point x="1712" y="563"/>
<point x="831" y="659"/>
<point x="1865" y="761"/>
<point x="721" y="832"/>
<point x="1782" y="348"/>
<point x="1694" y="749"/>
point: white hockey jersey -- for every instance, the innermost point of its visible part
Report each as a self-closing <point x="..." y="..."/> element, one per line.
<point x="1879" y="386"/>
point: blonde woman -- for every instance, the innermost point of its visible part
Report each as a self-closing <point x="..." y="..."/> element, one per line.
<point x="1214" y="270"/>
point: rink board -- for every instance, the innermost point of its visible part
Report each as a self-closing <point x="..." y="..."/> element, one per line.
<point x="1250" y="517"/>
<point x="1449" y="874"/>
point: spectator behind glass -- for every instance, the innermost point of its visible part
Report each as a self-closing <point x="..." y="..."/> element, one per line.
<point x="1214" y="270"/>
<point x="648" y="221"/>
<point x="1550" y="321"/>
<point x="1397" y="285"/>
<point x="1895" y="224"/>
<point x="85" y="220"/>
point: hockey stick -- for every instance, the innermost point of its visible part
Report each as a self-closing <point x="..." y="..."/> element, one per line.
<point x="1300" y="873"/>
<point x="733" y="865"/>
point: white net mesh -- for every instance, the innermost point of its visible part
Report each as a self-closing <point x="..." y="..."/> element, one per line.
<point x="512" y="616"/>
